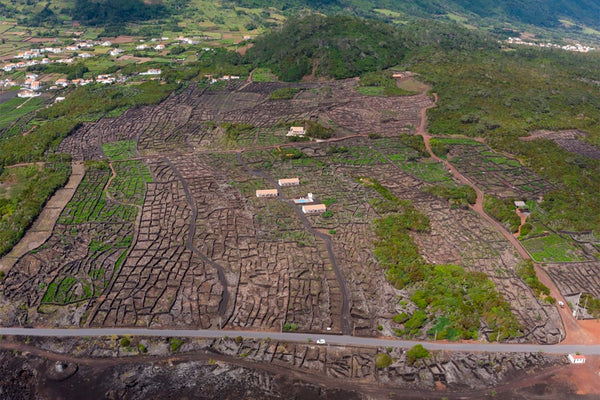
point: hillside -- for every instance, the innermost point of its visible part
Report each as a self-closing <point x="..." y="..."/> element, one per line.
<point x="539" y="13"/>
<point x="555" y="20"/>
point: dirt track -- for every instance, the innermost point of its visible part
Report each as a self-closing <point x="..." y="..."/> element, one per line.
<point x="575" y="333"/>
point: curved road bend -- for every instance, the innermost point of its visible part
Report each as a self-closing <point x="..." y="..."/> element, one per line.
<point x="346" y="321"/>
<point x="305" y="337"/>
<point x="569" y="323"/>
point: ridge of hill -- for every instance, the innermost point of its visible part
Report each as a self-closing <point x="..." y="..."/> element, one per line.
<point x="548" y="19"/>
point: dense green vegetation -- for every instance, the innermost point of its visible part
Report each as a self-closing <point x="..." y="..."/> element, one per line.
<point x="380" y="83"/>
<point x="382" y="360"/>
<point x="526" y="271"/>
<point x="283" y="94"/>
<point x="234" y="130"/>
<point x="451" y="303"/>
<point x="502" y="95"/>
<point x="110" y="12"/>
<point x="591" y="304"/>
<point x="121" y="150"/>
<point x="552" y="247"/>
<point x="338" y="47"/>
<point x="23" y="193"/>
<point x="544" y="13"/>
<point x="86" y="103"/>
<point x="15" y="108"/>
<point x="415" y="142"/>
<point x="457" y="195"/>
<point x="502" y="210"/>
<point x="416" y="352"/>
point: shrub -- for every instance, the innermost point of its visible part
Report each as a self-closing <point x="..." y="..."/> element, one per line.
<point x="290" y="327"/>
<point x="382" y="360"/>
<point x="415" y="353"/>
<point x="175" y="344"/>
<point x="283" y="94"/>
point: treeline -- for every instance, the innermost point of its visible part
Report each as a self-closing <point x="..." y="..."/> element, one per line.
<point x="86" y="103"/>
<point x="116" y="12"/>
<point x="451" y="303"/>
<point x="542" y="13"/>
<point x="19" y="209"/>
<point x="503" y="95"/>
<point x="338" y="47"/>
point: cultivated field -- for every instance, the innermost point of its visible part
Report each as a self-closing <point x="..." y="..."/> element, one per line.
<point x="166" y="230"/>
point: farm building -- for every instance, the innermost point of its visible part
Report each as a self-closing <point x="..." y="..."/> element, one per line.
<point x="296" y="131"/>
<point x="289" y="182"/>
<point x="576" y="359"/>
<point x="267" y="193"/>
<point x="314" y="208"/>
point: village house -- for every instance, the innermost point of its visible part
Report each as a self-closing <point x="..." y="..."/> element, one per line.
<point x="105" y="79"/>
<point x="267" y="193"/>
<point x="296" y="131"/>
<point x="314" y="208"/>
<point x="61" y="82"/>
<point x="289" y="182"/>
<point x="152" y="72"/>
<point x="576" y="359"/>
<point x="115" y="52"/>
<point x="35" y="85"/>
<point x="26" y="93"/>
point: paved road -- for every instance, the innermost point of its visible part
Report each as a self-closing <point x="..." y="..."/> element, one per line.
<point x="304" y="337"/>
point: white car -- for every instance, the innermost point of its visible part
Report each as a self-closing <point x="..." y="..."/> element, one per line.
<point x="320" y="341"/>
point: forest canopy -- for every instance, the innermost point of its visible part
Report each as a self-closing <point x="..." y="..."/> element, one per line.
<point x="338" y="47"/>
<point x="107" y="12"/>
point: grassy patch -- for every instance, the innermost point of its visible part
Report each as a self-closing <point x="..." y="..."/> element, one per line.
<point x="23" y="193"/>
<point x="283" y="94"/>
<point x="503" y="210"/>
<point x="263" y="75"/>
<point x="526" y="271"/>
<point x="457" y="195"/>
<point x="15" y="108"/>
<point x="380" y="83"/>
<point x="552" y="248"/>
<point x="452" y="303"/>
<point x="120" y="150"/>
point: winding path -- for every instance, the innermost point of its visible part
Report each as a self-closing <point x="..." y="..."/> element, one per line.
<point x="190" y="241"/>
<point x="574" y="333"/>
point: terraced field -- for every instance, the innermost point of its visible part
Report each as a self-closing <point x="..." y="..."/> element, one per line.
<point x="166" y="229"/>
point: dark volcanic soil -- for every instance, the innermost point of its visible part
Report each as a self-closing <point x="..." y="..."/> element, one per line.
<point x="27" y="372"/>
